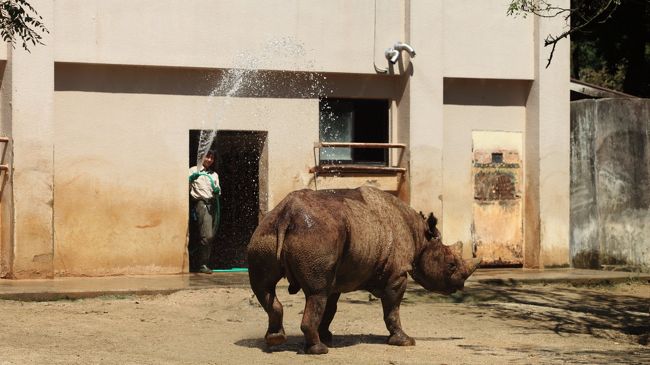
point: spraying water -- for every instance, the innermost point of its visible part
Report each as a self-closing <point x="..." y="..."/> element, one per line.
<point x="250" y="78"/>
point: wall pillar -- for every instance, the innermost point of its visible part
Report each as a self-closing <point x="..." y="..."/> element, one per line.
<point x="547" y="152"/>
<point x="426" y="106"/>
<point x="30" y="125"/>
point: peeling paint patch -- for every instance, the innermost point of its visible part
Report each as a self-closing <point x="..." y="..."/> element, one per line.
<point x="610" y="189"/>
<point x="43" y="258"/>
<point x="499" y="253"/>
<point x="497" y="234"/>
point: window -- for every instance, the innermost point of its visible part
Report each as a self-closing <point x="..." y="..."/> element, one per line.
<point x="354" y="120"/>
<point x="497" y="157"/>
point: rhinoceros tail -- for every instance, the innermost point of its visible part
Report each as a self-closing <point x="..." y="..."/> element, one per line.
<point x="282" y="227"/>
<point x="281" y="230"/>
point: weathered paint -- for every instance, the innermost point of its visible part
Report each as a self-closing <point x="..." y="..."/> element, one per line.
<point x="474" y="107"/>
<point x="32" y="134"/>
<point x="497" y="207"/>
<point x="126" y="96"/>
<point x="104" y="228"/>
<point x="610" y="179"/>
<point x="389" y="182"/>
<point x="546" y="155"/>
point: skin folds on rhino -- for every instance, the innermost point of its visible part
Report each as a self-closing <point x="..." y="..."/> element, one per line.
<point x="330" y="242"/>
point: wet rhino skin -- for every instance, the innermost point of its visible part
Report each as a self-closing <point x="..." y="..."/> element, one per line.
<point x="330" y="242"/>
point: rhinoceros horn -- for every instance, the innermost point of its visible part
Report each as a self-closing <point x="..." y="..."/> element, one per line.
<point x="472" y="265"/>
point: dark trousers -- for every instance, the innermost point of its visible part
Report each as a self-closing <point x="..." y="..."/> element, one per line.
<point x="201" y="242"/>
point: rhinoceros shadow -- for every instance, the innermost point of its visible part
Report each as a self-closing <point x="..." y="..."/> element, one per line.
<point x="296" y="343"/>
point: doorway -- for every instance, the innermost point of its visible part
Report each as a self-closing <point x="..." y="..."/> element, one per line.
<point x="497" y="221"/>
<point x="241" y="163"/>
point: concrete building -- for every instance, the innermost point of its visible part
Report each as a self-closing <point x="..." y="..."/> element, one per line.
<point x="102" y="122"/>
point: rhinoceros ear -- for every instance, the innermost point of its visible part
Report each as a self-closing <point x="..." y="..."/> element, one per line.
<point x="433" y="232"/>
<point x="432" y="221"/>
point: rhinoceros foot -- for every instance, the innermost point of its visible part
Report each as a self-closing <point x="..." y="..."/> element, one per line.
<point x="325" y="337"/>
<point x="317" y="349"/>
<point x="401" y="339"/>
<point x="274" y="339"/>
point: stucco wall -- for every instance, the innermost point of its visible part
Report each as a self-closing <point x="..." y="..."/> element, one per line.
<point x="478" y="38"/>
<point x="610" y="183"/>
<point x="481" y="41"/>
<point x="6" y="196"/>
<point x="470" y="105"/>
<point x="547" y="155"/>
<point x="106" y="139"/>
<point x="330" y="36"/>
<point x="120" y="191"/>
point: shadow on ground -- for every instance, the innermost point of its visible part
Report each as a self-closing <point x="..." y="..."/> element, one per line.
<point x="566" y="310"/>
<point x="296" y="343"/>
<point x="576" y="356"/>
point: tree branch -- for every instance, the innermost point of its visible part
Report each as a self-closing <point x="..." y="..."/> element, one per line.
<point x="19" y="20"/>
<point x="587" y="13"/>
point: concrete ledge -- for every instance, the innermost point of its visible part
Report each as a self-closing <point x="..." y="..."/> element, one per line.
<point x="573" y="276"/>
<point x="89" y="287"/>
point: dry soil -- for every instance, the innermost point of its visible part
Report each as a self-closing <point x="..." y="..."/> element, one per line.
<point x="485" y="324"/>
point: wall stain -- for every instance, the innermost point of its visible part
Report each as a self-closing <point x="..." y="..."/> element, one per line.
<point x="47" y="257"/>
<point x="154" y="223"/>
<point x="119" y="230"/>
<point x="497" y="210"/>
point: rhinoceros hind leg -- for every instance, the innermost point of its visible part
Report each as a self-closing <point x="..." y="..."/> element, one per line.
<point x="274" y="339"/>
<point x="311" y="319"/>
<point x="263" y="283"/>
<point x="330" y="310"/>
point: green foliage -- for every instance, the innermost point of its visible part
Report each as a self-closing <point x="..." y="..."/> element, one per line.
<point x="609" y="40"/>
<point x="20" y="21"/>
<point x="590" y="66"/>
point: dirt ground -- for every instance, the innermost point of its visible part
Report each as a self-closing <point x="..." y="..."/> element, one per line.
<point x="485" y="324"/>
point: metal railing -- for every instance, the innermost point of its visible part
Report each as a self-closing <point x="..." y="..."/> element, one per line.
<point x="338" y="168"/>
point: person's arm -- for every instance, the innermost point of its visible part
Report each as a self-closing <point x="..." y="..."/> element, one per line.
<point x="217" y="184"/>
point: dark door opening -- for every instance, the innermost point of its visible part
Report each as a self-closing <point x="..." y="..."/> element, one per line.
<point x="241" y="163"/>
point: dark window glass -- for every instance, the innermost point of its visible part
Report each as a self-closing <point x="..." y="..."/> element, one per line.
<point x="354" y="120"/>
<point x="497" y="158"/>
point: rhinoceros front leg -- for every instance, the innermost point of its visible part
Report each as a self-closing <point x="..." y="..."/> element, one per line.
<point x="390" y="301"/>
<point x="311" y="319"/>
<point x="330" y="310"/>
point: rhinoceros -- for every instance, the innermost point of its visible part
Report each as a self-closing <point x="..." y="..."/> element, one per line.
<point x="329" y="242"/>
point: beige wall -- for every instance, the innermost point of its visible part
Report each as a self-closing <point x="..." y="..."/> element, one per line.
<point x="121" y="191"/>
<point x="6" y="191"/>
<point x="425" y="107"/>
<point x="547" y="153"/>
<point x="330" y="36"/>
<point x="122" y="140"/>
<point x="481" y="41"/>
<point x="473" y="105"/>
<point x="99" y="117"/>
<point x="32" y="123"/>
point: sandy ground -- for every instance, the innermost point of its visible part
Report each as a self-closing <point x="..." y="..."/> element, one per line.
<point x="485" y="324"/>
